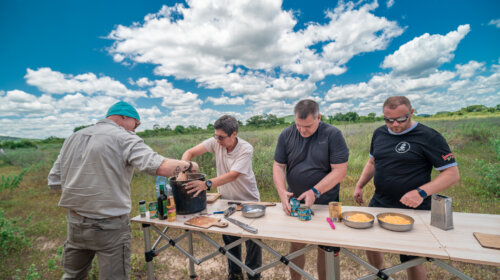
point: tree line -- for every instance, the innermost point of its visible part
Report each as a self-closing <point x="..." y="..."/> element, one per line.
<point x="255" y="122"/>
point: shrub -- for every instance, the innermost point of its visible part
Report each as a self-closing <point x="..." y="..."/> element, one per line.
<point x="12" y="237"/>
<point x="490" y="171"/>
<point x="11" y="182"/>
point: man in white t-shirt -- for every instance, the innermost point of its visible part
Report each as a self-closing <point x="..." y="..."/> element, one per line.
<point x="235" y="180"/>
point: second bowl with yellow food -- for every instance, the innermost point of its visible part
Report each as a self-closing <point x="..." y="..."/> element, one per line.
<point x="395" y="221"/>
<point x="357" y="219"/>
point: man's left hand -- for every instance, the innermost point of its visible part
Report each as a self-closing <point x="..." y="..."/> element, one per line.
<point x="196" y="186"/>
<point x="412" y="199"/>
<point x="308" y="196"/>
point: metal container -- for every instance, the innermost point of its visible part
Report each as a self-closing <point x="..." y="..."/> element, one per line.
<point x="395" y="227"/>
<point x="353" y="224"/>
<point x="304" y="213"/>
<point x="441" y="212"/>
<point x="186" y="203"/>
<point x="253" y="210"/>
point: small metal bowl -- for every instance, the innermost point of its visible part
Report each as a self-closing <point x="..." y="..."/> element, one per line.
<point x="253" y="210"/>
<point x="359" y="225"/>
<point x="395" y="227"/>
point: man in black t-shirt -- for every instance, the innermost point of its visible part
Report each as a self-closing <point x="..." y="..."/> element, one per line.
<point x="402" y="155"/>
<point x="313" y="155"/>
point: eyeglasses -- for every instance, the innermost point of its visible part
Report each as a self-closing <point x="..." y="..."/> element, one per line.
<point x="137" y="123"/>
<point x="399" y="120"/>
<point x="220" y="138"/>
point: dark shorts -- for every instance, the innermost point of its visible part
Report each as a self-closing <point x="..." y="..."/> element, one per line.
<point x="377" y="202"/>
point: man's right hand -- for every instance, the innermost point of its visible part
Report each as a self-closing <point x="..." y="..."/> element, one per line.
<point x="358" y="195"/>
<point x="285" y="201"/>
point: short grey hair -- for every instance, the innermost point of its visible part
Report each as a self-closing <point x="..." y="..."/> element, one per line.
<point x="227" y="123"/>
<point x="305" y="108"/>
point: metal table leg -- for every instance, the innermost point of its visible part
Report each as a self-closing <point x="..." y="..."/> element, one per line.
<point x="192" y="273"/>
<point x="332" y="263"/>
<point x="148" y="253"/>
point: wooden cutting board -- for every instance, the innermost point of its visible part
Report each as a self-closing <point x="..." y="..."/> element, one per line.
<point x="205" y="222"/>
<point x="212" y="197"/>
<point x="488" y="240"/>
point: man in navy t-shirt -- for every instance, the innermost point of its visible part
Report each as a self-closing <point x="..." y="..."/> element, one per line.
<point x="402" y="155"/>
<point x="313" y="155"/>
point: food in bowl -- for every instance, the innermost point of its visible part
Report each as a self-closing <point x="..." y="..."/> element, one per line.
<point x="360" y="218"/>
<point x="395" y="220"/>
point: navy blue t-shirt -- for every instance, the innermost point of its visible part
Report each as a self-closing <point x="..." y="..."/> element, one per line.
<point x="404" y="161"/>
<point x="308" y="159"/>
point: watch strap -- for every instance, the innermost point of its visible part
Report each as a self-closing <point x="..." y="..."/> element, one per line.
<point x="422" y="193"/>
<point x="316" y="192"/>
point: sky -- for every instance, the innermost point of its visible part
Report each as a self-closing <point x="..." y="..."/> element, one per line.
<point x="64" y="63"/>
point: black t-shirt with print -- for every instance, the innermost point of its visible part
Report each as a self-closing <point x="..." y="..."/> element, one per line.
<point x="308" y="159"/>
<point x="404" y="161"/>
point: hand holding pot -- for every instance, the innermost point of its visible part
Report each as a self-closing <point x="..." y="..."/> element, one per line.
<point x="196" y="187"/>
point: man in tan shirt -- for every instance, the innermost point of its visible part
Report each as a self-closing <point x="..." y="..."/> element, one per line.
<point x="94" y="170"/>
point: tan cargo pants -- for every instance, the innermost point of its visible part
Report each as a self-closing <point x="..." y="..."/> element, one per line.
<point x="109" y="238"/>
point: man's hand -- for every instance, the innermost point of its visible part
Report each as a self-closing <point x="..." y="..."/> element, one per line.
<point x="196" y="186"/>
<point x="285" y="201"/>
<point x="308" y="196"/>
<point x="358" y="195"/>
<point x="195" y="167"/>
<point x="412" y="199"/>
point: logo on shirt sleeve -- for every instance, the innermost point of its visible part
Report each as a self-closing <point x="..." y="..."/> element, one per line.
<point x="402" y="147"/>
<point x="448" y="157"/>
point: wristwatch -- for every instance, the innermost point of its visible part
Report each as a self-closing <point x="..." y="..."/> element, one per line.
<point x="316" y="192"/>
<point x="208" y="183"/>
<point x="422" y="193"/>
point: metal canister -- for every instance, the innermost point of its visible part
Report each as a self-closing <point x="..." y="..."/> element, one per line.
<point x="294" y="204"/>
<point x="441" y="212"/>
<point x="304" y="213"/>
<point x="153" y="210"/>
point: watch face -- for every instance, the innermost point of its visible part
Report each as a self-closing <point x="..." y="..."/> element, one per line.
<point x="209" y="183"/>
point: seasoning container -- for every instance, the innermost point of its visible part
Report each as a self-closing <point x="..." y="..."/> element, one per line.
<point x="295" y="204"/>
<point x="335" y="211"/>
<point x="142" y="208"/>
<point x="304" y="213"/>
<point x="153" y="210"/>
<point x="171" y="211"/>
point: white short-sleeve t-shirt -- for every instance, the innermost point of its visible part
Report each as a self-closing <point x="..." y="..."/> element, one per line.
<point x="239" y="160"/>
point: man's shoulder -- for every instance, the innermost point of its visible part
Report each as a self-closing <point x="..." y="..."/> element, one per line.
<point x="244" y="144"/>
<point x="329" y="128"/>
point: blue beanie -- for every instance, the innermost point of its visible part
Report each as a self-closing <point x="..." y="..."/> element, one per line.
<point x="123" y="109"/>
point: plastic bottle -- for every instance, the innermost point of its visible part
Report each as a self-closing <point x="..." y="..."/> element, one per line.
<point x="160" y="180"/>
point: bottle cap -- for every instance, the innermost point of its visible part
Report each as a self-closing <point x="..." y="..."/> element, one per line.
<point x="142" y="202"/>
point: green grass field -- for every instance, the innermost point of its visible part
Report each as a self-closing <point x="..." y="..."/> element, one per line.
<point x="33" y="227"/>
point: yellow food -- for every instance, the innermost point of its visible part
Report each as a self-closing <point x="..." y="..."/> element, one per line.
<point x="360" y="218"/>
<point x="395" y="220"/>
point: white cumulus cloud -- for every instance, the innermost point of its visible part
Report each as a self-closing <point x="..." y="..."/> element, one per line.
<point x="425" y="53"/>
<point x="53" y="82"/>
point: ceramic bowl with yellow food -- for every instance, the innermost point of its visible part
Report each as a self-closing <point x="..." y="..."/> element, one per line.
<point x="395" y="221"/>
<point x="357" y="219"/>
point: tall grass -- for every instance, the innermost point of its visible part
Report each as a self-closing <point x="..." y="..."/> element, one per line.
<point x="473" y="141"/>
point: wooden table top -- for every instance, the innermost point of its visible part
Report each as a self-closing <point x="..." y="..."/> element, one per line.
<point x="423" y="240"/>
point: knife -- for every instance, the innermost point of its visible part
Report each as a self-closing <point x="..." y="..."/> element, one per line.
<point x="244" y="226"/>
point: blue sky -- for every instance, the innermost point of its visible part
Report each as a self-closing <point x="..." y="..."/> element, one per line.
<point x="63" y="63"/>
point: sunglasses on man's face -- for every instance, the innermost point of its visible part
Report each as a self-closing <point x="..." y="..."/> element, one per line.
<point x="399" y="120"/>
<point x="220" y="138"/>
